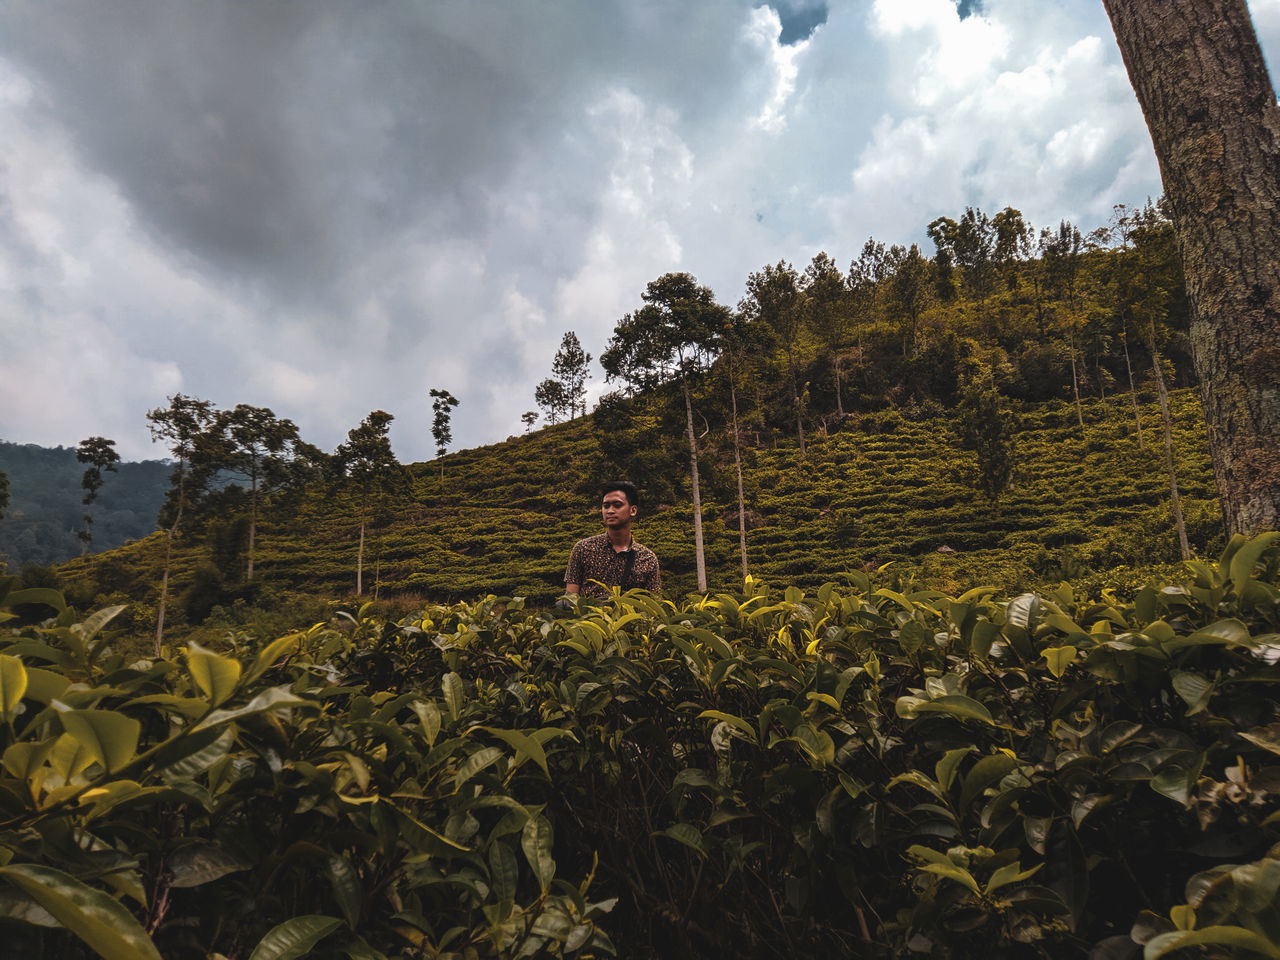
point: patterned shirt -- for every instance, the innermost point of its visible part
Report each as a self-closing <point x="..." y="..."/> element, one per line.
<point x="595" y="559"/>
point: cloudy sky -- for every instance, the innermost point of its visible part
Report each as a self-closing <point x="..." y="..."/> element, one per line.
<point x="330" y="206"/>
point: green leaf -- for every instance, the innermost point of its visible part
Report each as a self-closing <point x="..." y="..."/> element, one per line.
<point x="97" y="919"/>
<point x="24" y="759"/>
<point x="1176" y="777"/>
<point x="735" y="722"/>
<point x="43" y="595"/>
<point x="1237" y="937"/>
<point x="346" y="887"/>
<point x="1268" y="737"/>
<point x="687" y="834"/>
<point x="429" y="716"/>
<point x="294" y="938"/>
<point x="816" y="743"/>
<point x="200" y="759"/>
<point x="953" y="872"/>
<point x="945" y="769"/>
<point x="269" y="699"/>
<point x="451" y="687"/>
<point x="985" y="772"/>
<point x="217" y="676"/>
<point x="272" y="652"/>
<point x="475" y="763"/>
<point x="1059" y="658"/>
<point x="110" y="737"/>
<point x="1247" y="557"/>
<point x="1194" y="689"/>
<point x="525" y="746"/>
<point x="535" y="841"/>
<point x="45" y="686"/>
<point x="504" y="874"/>
<point x="1009" y="873"/>
<point x="13" y="684"/>
<point x="94" y="623"/>
<point x="957" y="705"/>
<point x="201" y="863"/>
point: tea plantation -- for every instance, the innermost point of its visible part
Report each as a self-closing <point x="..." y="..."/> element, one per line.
<point x="890" y="486"/>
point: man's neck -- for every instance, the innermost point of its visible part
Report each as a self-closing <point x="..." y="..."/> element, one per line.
<point x="620" y="538"/>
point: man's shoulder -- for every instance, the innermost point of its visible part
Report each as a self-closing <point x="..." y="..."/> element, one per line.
<point x="588" y="543"/>
<point x="643" y="551"/>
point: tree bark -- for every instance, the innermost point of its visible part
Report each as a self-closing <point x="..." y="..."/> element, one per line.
<point x="699" y="558"/>
<point x="360" y="562"/>
<point x="1200" y="78"/>
<point x="1133" y="393"/>
<point x="742" y="500"/>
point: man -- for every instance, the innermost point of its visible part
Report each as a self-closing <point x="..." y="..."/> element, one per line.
<point x="613" y="558"/>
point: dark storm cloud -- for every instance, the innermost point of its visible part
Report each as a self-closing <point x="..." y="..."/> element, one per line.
<point x="799" y="20"/>
<point x="280" y="142"/>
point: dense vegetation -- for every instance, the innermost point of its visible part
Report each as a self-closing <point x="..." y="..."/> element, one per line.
<point x="45" y="512"/>
<point x="844" y="771"/>
<point x="889" y="486"/>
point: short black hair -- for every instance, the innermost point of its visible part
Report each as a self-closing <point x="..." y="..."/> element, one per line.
<point x="626" y="488"/>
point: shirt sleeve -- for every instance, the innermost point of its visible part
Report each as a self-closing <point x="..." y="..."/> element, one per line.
<point x="653" y="577"/>
<point x="573" y="572"/>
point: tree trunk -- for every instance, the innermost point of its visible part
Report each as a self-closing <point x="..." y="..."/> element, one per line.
<point x="164" y="589"/>
<point x="699" y="559"/>
<point x="835" y="363"/>
<point x="1133" y="394"/>
<point x="253" y="527"/>
<point x="1075" y="380"/>
<point x="360" y="562"/>
<point x="742" y="500"/>
<point x="1175" y="503"/>
<point x="1200" y="78"/>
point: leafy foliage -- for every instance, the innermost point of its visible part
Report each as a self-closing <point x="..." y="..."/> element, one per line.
<point x="855" y="769"/>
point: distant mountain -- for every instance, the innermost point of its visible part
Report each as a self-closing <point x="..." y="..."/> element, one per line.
<point x="39" y="527"/>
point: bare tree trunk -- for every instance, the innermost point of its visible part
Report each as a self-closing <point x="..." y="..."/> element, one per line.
<point x="360" y="562"/>
<point x="1201" y="80"/>
<point x="839" y="400"/>
<point x="699" y="558"/>
<point x="1075" y="380"/>
<point x="1133" y="394"/>
<point x="737" y="463"/>
<point x="164" y="589"/>
<point x="253" y="528"/>
<point x="1175" y="503"/>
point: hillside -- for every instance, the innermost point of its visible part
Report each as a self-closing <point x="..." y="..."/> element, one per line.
<point x="40" y="524"/>
<point x="889" y="487"/>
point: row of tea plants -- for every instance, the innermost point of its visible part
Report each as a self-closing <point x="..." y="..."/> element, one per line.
<point x="852" y="771"/>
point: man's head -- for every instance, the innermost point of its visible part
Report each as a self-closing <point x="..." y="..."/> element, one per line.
<point x="619" y="503"/>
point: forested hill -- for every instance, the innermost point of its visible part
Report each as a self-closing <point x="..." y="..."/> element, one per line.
<point x="45" y="511"/>
<point x="890" y="486"/>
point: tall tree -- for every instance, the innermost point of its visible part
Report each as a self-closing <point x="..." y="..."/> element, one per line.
<point x="551" y="397"/>
<point x="529" y="418"/>
<point x="1200" y="77"/>
<point x="974" y="248"/>
<point x="910" y="293"/>
<point x="572" y="367"/>
<point x="4" y="493"/>
<point x="183" y="428"/>
<point x="741" y="339"/>
<point x="255" y="445"/>
<point x="442" y="404"/>
<point x="988" y="427"/>
<point x="100" y="454"/>
<point x="826" y="305"/>
<point x="1061" y="252"/>
<point x="774" y="297"/>
<point x="672" y="338"/>
<point x="367" y="462"/>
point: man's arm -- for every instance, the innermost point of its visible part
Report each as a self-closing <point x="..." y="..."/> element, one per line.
<point x="573" y="572"/>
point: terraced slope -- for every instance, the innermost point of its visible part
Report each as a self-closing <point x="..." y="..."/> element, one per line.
<point x="887" y="487"/>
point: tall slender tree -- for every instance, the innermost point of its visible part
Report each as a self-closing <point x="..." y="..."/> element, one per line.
<point x="774" y="297"/>
<point x="256" y="446"/>
<point x="551" y="397"/>
<point x="673" y="338"/>
<point x="442" y="405"/>
<point x="367" y="462"/>
<point x="827" y="306"/>
<point x="572" y="367"/>
<point x="183" y="428"/>
<point x="1202" y="82"/>
<point x="100" y="454"/>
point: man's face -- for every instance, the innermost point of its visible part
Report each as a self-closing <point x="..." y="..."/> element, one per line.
<point x="617" y="512"/>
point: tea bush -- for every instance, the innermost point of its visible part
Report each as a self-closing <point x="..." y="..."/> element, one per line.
<point x="855" y="770"/>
